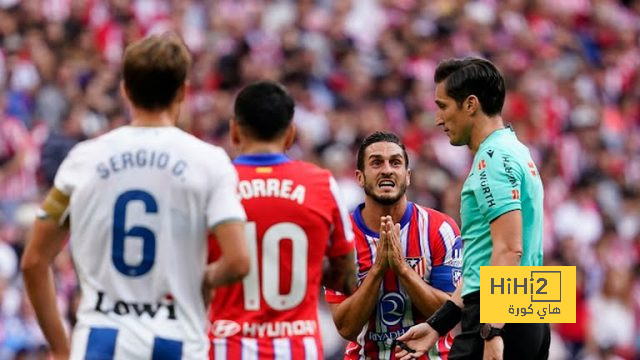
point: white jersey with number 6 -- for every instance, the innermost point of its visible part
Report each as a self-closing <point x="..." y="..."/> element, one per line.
<point x="141" y="202"/>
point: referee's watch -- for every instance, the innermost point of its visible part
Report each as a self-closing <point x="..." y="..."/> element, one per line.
<point x="488" y="332"/>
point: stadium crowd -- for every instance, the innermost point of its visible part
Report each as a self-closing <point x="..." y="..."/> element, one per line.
<point x="353" y="66"/>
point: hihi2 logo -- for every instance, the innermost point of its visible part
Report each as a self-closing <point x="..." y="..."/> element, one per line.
<point x="525" y="294"/>
<point x="544" y="286"/>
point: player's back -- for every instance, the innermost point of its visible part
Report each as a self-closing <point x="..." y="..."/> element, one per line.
<point x="294" y="220"/>
<point x="141" y="201"/>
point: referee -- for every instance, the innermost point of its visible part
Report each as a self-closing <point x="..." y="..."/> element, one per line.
<point x="501" y="212"/>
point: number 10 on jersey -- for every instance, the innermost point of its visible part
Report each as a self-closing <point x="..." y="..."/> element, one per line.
<point x="270" y="271"/>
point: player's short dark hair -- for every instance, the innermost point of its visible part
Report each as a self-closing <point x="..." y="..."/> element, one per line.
<point x="154" y="69"/>
<point x="473" y="76"/>
<point x="376" y="137"/>
<point x="265" y="109"/>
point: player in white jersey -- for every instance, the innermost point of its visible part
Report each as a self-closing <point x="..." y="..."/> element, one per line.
<point x="139" y="201"/>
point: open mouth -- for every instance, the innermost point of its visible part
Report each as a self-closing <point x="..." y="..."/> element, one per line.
<point x="386" y="184"/>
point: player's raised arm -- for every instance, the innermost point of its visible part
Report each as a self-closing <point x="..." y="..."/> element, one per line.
<point x="46" y="241"/>
<point x="424" y="296"/>
<point x="352" y="313"/>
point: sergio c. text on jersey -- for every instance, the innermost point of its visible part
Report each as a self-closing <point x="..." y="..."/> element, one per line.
<point x="141" y="158"/>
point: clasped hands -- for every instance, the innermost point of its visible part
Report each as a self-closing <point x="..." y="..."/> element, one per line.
<point x="389" y="252"/>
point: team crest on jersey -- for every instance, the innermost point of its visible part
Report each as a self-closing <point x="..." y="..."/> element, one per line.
<point x="456" y="253"/>
<point x="418" y="264"/>
<point x="456" y="277"/>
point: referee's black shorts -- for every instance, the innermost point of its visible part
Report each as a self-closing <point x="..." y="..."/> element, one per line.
<point x="521" y="341"/>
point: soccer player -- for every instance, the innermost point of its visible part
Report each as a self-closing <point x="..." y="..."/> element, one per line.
<point x="295" y="217"/>
<point x="501" y="212"/>
<point x="406" y="270"/>
<point x="139" y="202"/>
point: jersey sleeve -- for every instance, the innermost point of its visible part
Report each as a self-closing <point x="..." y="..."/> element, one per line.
<point x="333" y="296"/>
<point x="498" y="183"/>
<point x="224" y="204"/>
<point x="446" y="255"/>
<point x="66" y="179"/>
<point x="341" y="241"/>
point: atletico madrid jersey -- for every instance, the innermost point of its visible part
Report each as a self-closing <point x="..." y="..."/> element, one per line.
<point x="295" y="219"/>
<point x="432" y="247"/>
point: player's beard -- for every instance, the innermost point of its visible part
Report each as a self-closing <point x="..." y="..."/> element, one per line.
<point x="386" y="199"/>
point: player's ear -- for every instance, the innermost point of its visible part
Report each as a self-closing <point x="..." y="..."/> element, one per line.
<point x="182" y="91"/>
<point x="234" y="132"/>
<point x="360" y="178"/>
<point x="471" y="104"/>
<point x="290" y="136"/>
<point x="125" y="94"/>
<point x="408" y="177"/>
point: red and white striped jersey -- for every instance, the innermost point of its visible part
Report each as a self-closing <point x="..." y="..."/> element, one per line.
<point x="433" y="248"/>
<point x="295" y="218"/>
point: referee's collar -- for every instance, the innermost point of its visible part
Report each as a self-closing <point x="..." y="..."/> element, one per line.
<point x="261" y="159"/>
<point x="357" y="217"/>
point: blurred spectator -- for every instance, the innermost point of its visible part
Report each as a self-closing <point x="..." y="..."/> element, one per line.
<point x="59" y="142"/>
<point x="18" y="160"/>
<point x="22" y="332"/>
<point x="575" y="334"/>
<point x="579" y="217"/>
<point x="610" y="331"/>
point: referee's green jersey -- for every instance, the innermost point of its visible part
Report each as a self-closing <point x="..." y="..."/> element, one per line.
<point x="503" y="178"/>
